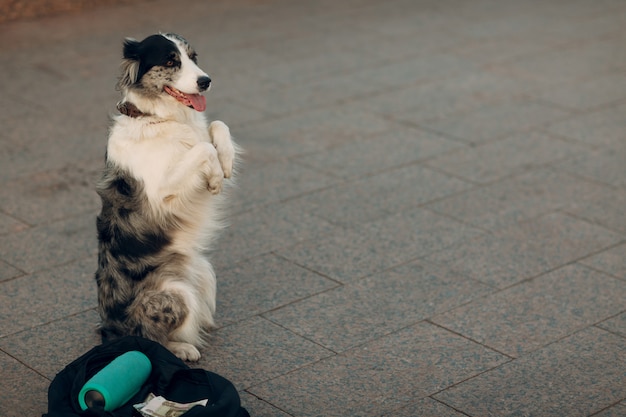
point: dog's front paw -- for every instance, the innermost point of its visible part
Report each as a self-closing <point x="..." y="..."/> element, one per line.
<point x="212" y="170"/>
<point x="184" y="351"/>
<point x="220" y="136"/>
<point x="214" y="181"/>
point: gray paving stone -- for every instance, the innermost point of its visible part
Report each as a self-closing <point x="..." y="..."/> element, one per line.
<point x="533" y="314"/>
<point x="515" y="199"/>
<point x="411" y="71"/>
<point x="603" y="165"/>
<point x="43" y="197"/>
<point x="396" y="147"/>
<point x="23" y="392"/>
<point x="615" y="411"/>
<point x="489" y="49"/>
<point x="267" y="229"/>
<point x="380" y="195"/>
<point x="426" y="407"/>
<point x="300" y="63"/>
<point x="322" y="92"/>
<point x="307" y="131"/>
<point x="261" y="183"/>
<point x="52" y="244"/>
<point x="46" y="296"/>
<point x="589" y="94"/>
<point x="610" y="261"/>
<point x="64" y="340"/>
<point x="496" y="121"/>
<point x="423" y="41"/>
<point x="526" y="250"/>
<point x="615" y="324"/>
<point x="577" y="61"/>
<point x="513" y="155"/>
<point x="576" y="376"/>
<point x="231" y="113"/>
<point x="377" y="305"/>
<point x="600" y="128"/>
<point x="380" y="376"/>
<point x="9" y="272"/>
<point x="348" y="255"/>
<point x="255" y="350"/>
<point x="9" y="224"/>
<point x="264" y="283"/>
<point x="259" y="408"/>
<point x="434" y="100"/>
<point x="603" y="205"/>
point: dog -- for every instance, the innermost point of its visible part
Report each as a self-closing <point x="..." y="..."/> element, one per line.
<point x="162" y="200"/>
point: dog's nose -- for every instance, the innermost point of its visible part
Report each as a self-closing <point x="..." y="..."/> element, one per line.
<point x="204" y="82"/>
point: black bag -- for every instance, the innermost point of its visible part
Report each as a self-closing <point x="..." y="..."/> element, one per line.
<point x="170" y="377"/>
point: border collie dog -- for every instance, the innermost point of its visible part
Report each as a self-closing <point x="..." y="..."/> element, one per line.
<point x="162" y="200"/>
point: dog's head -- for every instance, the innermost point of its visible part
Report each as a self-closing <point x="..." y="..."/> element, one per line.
<point x="164" y="64"/>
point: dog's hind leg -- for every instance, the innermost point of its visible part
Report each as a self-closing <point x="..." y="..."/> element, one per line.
<point x="156" y="315"/>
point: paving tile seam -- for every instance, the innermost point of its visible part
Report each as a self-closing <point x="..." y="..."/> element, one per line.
<point x="548" y="271"/>
<point x="619" y="403"/>
<point x="22" y="275"/>
<point x="12" y="278"/>
<point x="567" y="139"/>
<point x="48" y="267"/>
<point x="267" y="402"/>
<point x="431" y="396"/>
<point x="356" y="97"/>
<point x="278" y="255"/>
<point x="343" y="181"/>
<point x="332" y="352"/>
<point x="613" y="332"/>
<point x="589" y="178"/>
<point x="370" y="341"/>
<point x="531" y="351"/>
<point x="33" y="226"/>
<point x="45" y="323"/>
<point x="581" y="112"/>
<point x="551" y="165"/>
<point x="420" y="125"/>
<point x="564" y="45"/>
<point x="473" y="143"/>
<point x="566" y="211"/>
<point x="17" y="219"/>
<point x="356" y="177"/>
<point x="24" y="364"/>
<point x="466" y="337"/>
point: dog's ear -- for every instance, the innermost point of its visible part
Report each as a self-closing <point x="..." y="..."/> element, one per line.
<point x="131" y="49"/>
<point x="130" y="64"/>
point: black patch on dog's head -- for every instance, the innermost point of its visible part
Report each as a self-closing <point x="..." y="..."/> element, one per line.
<point x="141" y="57"/>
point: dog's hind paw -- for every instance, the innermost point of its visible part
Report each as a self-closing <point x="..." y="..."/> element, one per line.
<point x="184" y="351"/>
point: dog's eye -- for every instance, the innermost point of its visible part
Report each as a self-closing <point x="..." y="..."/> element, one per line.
<point x="170" y="63"/>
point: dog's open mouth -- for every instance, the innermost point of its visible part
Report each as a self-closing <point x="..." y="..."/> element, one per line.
<point x="195" y="101"/>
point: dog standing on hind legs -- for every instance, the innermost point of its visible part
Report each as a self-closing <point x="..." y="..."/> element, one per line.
<point x="162" y="200"/>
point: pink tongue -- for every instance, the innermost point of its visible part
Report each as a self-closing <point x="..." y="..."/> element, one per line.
<point x="197" y="101"/>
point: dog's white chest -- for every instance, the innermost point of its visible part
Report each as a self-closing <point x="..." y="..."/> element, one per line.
<point x="150" y="152"/>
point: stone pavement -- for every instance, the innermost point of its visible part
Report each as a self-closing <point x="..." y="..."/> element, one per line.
<point x="430" y="219"/>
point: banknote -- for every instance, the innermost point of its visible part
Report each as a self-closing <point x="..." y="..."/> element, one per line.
<point x="157" y="406"/>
